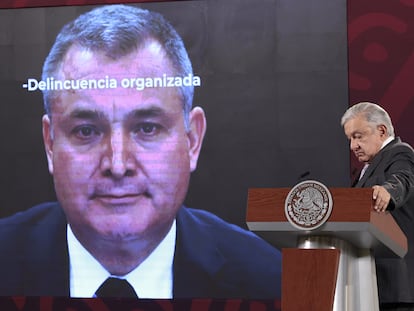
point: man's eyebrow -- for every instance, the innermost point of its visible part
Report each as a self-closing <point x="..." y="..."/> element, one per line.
<point x="147" y="112"/>
<point x="358" y="132"/>
<point x="140" y="113"/>
<point x="86" y="114"/>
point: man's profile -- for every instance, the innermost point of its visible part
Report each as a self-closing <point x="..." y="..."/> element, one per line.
<point x="121" y="160"/>
<point x="389" y="171"/>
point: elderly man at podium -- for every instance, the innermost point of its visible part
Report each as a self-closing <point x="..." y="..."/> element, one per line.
<point x="389" y="170"/>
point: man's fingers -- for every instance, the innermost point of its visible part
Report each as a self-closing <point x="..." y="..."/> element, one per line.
<point x="381" y="197"/>
<point x="375" y="192"/>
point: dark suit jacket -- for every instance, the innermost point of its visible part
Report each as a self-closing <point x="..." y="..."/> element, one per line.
<point x="212" y="258"/>
<point x="393" y="168"/>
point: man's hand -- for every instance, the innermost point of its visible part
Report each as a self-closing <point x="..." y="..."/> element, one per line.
<point x="381" y="198"/>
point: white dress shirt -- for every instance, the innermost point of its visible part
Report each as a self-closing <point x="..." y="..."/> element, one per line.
<point x="153" y="278"/>
<point x="387" y="141"/>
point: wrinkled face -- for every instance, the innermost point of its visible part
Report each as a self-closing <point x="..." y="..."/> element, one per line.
<point x="365" y="140"/>
<point x="120" y="158"/>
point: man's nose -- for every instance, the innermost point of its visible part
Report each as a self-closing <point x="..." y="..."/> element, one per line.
<point x="119" y="161"/>
<point x="353" y="145"/>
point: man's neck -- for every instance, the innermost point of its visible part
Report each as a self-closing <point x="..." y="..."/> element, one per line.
<point x="119" y="257"/>
<point x="87" y="273"/>
<point x="387" y="141"/>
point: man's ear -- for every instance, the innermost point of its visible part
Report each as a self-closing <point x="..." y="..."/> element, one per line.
<point x="383" y="130"/>
<point x="198" y="126"/>
<point x="48" y="141"/>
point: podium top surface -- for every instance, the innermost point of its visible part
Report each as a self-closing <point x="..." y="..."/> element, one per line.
<point x="352" y="219"/>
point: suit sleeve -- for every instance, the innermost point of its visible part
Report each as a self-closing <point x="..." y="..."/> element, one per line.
<point x="399" y="176"/>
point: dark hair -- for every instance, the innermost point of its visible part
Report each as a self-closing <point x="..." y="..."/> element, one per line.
<point x="118" y="30"/>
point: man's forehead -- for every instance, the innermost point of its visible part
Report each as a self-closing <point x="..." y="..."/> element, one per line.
<point x="80" y="62"/>
<point x="118" y="110"/>
<point x="356" y="124"/>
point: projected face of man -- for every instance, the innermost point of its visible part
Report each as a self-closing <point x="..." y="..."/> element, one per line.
<point x="121" y="158"/>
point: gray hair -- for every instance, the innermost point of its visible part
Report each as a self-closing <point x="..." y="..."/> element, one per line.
<point x="118" y="30"/>
<point x="373" y="113"/>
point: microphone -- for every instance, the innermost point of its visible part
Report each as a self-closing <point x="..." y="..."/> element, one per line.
<point x="303" y="176"/>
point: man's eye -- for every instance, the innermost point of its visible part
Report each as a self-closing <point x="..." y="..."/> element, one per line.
<point x="148" y="128"/>
<point x="85" y="131"/>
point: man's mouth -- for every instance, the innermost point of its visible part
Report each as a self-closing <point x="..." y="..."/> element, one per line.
<point x="118" y="197"/>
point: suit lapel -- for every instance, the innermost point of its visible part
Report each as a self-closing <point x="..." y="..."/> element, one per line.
<point x="371" y="168"/>
<point x="47" y="271"/>
<point x="197" y="260"/>
<point x="374" y="164"/>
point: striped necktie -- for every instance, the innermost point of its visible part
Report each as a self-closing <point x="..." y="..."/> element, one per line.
<point x="364" y="169"/>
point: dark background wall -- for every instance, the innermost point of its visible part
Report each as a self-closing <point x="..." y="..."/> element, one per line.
<point x="274" y="86"/>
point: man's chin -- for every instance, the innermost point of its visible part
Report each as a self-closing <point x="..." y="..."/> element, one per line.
<point x="118" y="227"/>
<point x="361" y="159"/>
<point x="121" y="235"/>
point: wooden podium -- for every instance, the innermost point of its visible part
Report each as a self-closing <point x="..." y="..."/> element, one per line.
<point x="331" y="267"/>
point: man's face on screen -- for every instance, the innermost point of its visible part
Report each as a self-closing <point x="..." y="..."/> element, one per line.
<point x="121" y="158"/>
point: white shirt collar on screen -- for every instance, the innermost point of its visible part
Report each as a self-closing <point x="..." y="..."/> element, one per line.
<point x="153" y="278"/>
